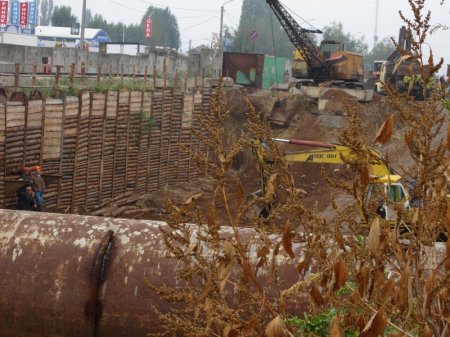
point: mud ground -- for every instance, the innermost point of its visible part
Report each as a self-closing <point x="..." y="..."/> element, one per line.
<point x="297" y="118"/>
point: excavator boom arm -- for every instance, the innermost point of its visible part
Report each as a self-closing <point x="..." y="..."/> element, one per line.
<point x="298" y="35"/>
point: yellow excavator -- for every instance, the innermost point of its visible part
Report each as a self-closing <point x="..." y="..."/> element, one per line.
<point x="384" y="189"/>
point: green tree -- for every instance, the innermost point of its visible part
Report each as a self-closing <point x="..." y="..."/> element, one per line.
<point x="87" y="17"/>
<point x="165" y="31"/>
<point x="335" y="32"/>
<point x="63" y="17"/>
<point x="380" y="52"/>
<point x="46" y="12"/>
<point x="256" y="16"/>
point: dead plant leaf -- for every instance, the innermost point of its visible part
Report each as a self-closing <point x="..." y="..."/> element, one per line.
<point x="276" y="328"/>
<point x="374" y="237"/>
<point x="362" y="278"/>
<point x="409" y="138"/>
<point x="240" y="194"/>
<point x="270" y="187"/>
<point x="403" y="289"/>
<point x="375" y="326"/>
<point x="388" y="289"/>
<point x="335" y="330"/>
<point x="262" y="254"/>
<point x="427" y="332"/>
<point x="447" y="258"/>
<point x="195" y="197"/>
<point x="212" y="215"/>
<point x="340" y="270"/>
<point x="224" y="269"/>
<point x="246" y="270"/>
<point x="303" y="265"/>
<point x="385" y="132"/>
<point x="316" y="295"/>
<point x="448" y="136"/>
<point x="364" y="175"/>
<point x="446" y="216"/>
<point x="287" y="239"/>
<point x="230" y="332"/>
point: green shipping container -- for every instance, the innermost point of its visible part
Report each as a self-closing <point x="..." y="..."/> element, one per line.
<point x="274" y="71"/>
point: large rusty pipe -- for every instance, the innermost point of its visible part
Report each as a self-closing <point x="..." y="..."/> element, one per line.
<point x="70" y="275"/>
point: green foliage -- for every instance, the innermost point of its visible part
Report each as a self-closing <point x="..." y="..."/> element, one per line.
<point x="164" y="24"/>
<point x="165" y="28"/>
<point x="46" y="12"/>
<point x="446" y="104"/>
<point x="257" y="16"/>
<point x="379" y="52"/>
<point x="318" y="325"/>
<point x="62" y="16"/>
<point x="335" y="32"/>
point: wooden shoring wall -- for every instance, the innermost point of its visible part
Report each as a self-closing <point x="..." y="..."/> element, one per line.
<point x="101" y="145"/>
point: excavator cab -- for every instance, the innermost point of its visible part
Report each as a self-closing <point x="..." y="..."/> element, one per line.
<point x="388" y="195"/>
<point x="328" y="47"/>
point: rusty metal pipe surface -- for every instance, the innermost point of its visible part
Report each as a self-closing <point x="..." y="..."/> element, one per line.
<point x="69" y="275"/>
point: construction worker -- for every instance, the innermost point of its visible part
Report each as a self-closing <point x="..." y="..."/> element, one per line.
<point x="27" y="200"/>
<point x="38" y="187"/>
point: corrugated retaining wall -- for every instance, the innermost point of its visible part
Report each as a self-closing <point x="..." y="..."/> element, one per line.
<point x="100" y="144"/>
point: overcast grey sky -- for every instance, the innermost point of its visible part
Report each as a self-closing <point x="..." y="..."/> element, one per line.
<point x="199" y="19"/>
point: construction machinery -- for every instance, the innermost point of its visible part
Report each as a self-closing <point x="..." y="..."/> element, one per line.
<point x="400" y="70"/>
<point x="328" y="64"/>
<point x="384" y="183"/>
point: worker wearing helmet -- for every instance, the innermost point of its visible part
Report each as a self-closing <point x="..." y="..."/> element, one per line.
<point x="38" y="187"/>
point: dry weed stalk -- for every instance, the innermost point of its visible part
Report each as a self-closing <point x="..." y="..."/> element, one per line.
<point x="229" y="267"/>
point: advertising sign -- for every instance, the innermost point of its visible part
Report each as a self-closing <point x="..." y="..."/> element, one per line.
<point x="23" y="18"/>
<point x="75" y="28"/>
<point x="15" y="11"/>
<point x="3" y="12"/>
<point x="148" y="28"/>
<point x="214" y="40"/>
<point x="32" y="13"/>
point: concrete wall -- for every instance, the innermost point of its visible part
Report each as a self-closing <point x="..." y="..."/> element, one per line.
<point x="206" y="62"/>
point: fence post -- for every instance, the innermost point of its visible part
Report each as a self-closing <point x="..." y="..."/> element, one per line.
<point x="185" y="81"/>
<point x="175" y="82"/>
<point x="82" y="72"/>
<point x="56" y="85"/>
<point x="121" y="72"/>
<point x="165" y="73"/>
<point x="154" y="75"/>
<point x="72" y="73"/>
<point x="145" y="76"/>
<point x="134" y="72"/>
<point x="99" y="72"/>
<point x="110" y="71"/>
<point x="16" y="75"/>
<point x="33" y="76"/>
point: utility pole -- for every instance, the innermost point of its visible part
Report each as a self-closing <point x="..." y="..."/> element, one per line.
<point x="221" y="28"/>
<point x="83" y="18"/>
<point x="375" y="36"/>
<point x="221" y="24"/>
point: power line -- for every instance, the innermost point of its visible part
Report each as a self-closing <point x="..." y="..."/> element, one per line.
<point x="200" y="23"/>
<point x="304" y="20"/>
<point x="140" y="11"/>
<point x="179" y="8"/>
<point x="232" y="19"/>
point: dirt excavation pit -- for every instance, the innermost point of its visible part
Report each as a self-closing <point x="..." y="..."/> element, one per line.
<point x="297" y="118"/>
